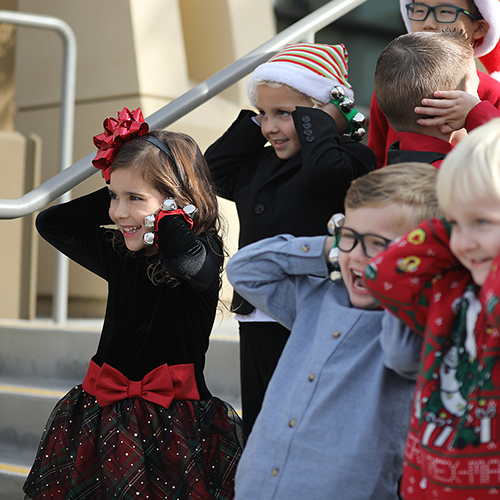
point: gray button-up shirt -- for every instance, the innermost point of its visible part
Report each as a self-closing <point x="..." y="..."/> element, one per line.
<point x="336" y="412"/>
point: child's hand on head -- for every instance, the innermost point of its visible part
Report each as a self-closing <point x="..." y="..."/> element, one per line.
<point x="447" y="111"/>
<point x="339" y="118"/>
<point x="258" y="119"/>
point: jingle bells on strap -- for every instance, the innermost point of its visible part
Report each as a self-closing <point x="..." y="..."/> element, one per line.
<point x="336" y="220"/>
<point x="168" y="207"/>
<point x="356" y="120"/>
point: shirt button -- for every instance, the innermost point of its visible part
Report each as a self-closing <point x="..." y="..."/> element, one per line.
<point x="275" y="472"/>
<point x="292" y="423"/>
<point x="336" y="334"/>
<point x="306" y="248"/>
<point x="259" y="208"/>
<point x="312" y="377"/>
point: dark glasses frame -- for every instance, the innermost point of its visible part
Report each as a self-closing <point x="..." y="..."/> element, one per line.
<point x="430" y="9"/>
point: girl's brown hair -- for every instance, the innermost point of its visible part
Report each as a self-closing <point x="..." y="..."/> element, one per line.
<point x="187" y="180"/>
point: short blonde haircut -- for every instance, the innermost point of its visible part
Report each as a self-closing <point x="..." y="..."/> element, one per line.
<point x="253" y="91"/>
<point x="411" y="186"/>
<point x="471" y="173"/>
<point x="413" y="66"/>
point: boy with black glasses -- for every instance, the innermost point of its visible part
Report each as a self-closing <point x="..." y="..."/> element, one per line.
<point x="335" y="415"/>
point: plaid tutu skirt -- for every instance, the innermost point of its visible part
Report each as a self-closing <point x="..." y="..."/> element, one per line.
<point x="135" y="449"/>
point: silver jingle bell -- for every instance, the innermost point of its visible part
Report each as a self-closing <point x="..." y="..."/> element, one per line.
<point x="149" y="221"/>
<point x="337" y="93"/>
<point x="359" y="134"/>
<point x="336" y="220"/>
<point x="346" y="105"/>
<point x="149" y="239"/>
<point x="359" y="120"/>
<point x="168" y="205"/>
<point x="190" y="211"/>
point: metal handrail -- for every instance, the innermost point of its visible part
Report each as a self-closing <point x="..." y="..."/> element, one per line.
<point x="66" y="131"/>
<point x="66" y="180"/>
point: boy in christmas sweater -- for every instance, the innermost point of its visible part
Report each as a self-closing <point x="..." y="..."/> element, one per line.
<point x="442" y="279"/>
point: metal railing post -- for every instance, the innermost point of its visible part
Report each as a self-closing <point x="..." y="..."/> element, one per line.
<point x="60" y="299"/>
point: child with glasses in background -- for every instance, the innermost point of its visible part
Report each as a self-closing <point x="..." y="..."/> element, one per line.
<point x="335" y="415"/>
<point x="481" y="21"/>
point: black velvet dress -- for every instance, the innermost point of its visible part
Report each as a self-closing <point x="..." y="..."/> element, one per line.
<point x="144" y="424"/>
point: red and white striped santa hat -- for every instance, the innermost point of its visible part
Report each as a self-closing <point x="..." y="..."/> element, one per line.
<point x="311" y="68"/>
<point x="488" y="48"/>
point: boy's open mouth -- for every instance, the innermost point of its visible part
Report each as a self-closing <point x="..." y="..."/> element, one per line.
<point x="358" y="280"/>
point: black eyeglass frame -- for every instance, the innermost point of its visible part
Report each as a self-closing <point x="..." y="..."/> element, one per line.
<point x="430" y="9"/>
<point x="358" y="237"/>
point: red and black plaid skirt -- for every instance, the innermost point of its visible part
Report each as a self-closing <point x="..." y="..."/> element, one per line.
<point x="136" y="449"/>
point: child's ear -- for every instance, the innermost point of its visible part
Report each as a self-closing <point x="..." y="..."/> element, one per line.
<point x="479" y="31"/>
<point x="340" y="120"/>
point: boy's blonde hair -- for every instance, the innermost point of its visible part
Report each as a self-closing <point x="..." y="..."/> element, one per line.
<point x="254" y="86"/>
<point x="411" y="186"/>
<point x="413" y="66"/>
<point x="471" y="173"/>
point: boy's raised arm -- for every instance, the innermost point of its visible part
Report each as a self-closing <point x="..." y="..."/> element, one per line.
<point x="401" y="347"/>
<point x="330" y="160"/>
<point x="241" y="141"/>
<point x="265" y="273"/>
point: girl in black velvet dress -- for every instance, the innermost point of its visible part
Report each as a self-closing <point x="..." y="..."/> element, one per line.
<point x="143" y="424"/>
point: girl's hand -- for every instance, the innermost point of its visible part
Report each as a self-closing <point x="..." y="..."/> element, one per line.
<point x="337" y="115"/>
<point x="448" y="111"/>
<point x="168" y="207"/>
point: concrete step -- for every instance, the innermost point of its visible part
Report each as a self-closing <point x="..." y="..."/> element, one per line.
<point x="40" y="362"/>
<point x="25" y="410"/>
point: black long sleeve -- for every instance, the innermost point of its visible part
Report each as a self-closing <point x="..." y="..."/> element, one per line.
<point x="145" y="325"/>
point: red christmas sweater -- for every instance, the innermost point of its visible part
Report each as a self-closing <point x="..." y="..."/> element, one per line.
<point x="453" y="447"/>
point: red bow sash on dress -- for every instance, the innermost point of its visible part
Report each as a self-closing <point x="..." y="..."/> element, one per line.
<point x="160" y="386"/>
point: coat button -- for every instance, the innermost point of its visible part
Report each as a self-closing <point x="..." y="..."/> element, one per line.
<point x="306" y="118"/>
<point x="307" y="132"/>
<point x="307" y="125"/>
<point x="312" y="377"/>
<point x="310" y="138"/>
<point x="336" y="334"/>
<point x="305" y="248"/>
<point x="275" y="471"/>
<point x="292" y="423"/>
<point x="259" y="208"/>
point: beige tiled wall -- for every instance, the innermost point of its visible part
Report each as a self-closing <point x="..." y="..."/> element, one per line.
<point x="130" y="53"/>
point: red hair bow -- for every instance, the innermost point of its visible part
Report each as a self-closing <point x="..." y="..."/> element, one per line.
<point x="129" y="125"/>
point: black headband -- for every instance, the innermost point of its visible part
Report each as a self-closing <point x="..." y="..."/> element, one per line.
<point x="160" y="145"/>
<point x="163" y="147"/>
